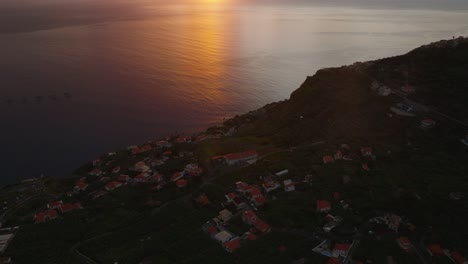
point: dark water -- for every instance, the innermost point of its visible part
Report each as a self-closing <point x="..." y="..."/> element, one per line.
<point x="91" y="79"/>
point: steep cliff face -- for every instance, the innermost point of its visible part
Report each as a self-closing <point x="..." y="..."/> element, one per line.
<point x="339" y="102"/>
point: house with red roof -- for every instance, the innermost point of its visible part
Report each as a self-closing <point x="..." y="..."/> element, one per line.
<point x="183" y="139"/>
<point x="95" y="172"/>
<point x="194" y="172"/>
<point x="242" y="187"/>
<point x="123" y="178"/>
<point x="249" y="236"/>
<point x="230" y="196"/>
<point x="341" y="250"/>
<point x="97" y="194"/>
<point x="45" y="216"/>
<point x="116" y="170"/>
<point x="458" y="257"/>
<point x="270" y="185"/>
<point x="146" y="148"/>
<point x="328" y="159"/>
<point x="141" y="167"/>
<point x="177" y="176"/>
<point x="404" y="243"/>
<point x="365" y="166"/>
<point x="338" y="155"/>
<point x="80" y="186"/>
<point x="262" y="226"/>
<point x="232" y="245"/>
<point x="323" y="206"/>
<point x="181" y="183"/>
<point x="142" y="177"/>
<point x="435" y="250"/>
<point x="202" y="200"/>
<point x="112" y="185"/>
<point x="249" y="157"/>
<point x="157" y="178"/>
<point x="70" y="207"/>
<point x="54" y="204"/>
<point x="212" y="230"/>
<point x="249" y="217"/>
<point x="367" y="151"/>
<point x="258" y="200"/>
<point x="334" y="261"/>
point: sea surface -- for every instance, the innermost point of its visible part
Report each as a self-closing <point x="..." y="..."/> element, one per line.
<point x="80" y="80"/>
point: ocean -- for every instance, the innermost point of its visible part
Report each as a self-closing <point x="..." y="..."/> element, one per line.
<point x="80" y="80"/>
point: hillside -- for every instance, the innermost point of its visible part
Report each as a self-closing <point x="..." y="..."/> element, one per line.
<point x="338" y="102"/>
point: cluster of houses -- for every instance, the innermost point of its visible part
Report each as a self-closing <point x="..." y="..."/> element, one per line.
<point x="337" y="253"/>
<point x="344" y="153"/>
<point x="217" y="229"/>
<point x="52" y="211"/>
<point x="436" y="250"/>
<point x="244" y="201"/>
<point x="114" y="178"/>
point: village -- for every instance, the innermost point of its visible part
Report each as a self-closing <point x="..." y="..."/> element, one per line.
<point x="239" y="220"/>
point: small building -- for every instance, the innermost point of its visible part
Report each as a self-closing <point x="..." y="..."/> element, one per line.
<point x="323" y="206"/>
<point x="80" y="186"/>
<point x="225" y="215"/>
<point x="338" y="155"/>
<point x="367" y="151"/>
<point x="258" y="200"/>
<point x="202" y="200"/>
<point x="458" y="257"/>
<point x="248" y="157"/>
<point x="404" y="243"/>
<point x="289" y="185"/>
<point x="95" y="172"/>
<point x="262" y="226"/>
<point x="142" y="177"/>
<point x="54" y="204"/>
<point x="45" y="216"/>
<point x="435" y="250"/>
<point x="427" y="123"/>
<point x="177" y="176"/>
<point x="408" y="89"/>
<point x="232" y="245"/>
<point x="141" y="167"/>
<point x="182" y="183"/>
<point x="223" y="236"/>
<point x="282" y="173"/>
<point x="334" y="261"/>
<point x="70" y="207"/>
<point x="403" y="109"/>
<point x="341" y="250"/>
<point x="123" y="178"/>
<point x="112" y="185"/>
<point x="384" y="91"/>
<point x="270" y="186"/>
<point x="249" y="217"/>
<point x="97" y="194"/>
<point x="365" y="166"/>
<point x="328" y="159"/>
<point x="465" y="140"/>
<point x="116" y="170"/>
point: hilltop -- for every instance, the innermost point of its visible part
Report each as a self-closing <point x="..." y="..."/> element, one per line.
<point x="363" y="163"/>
